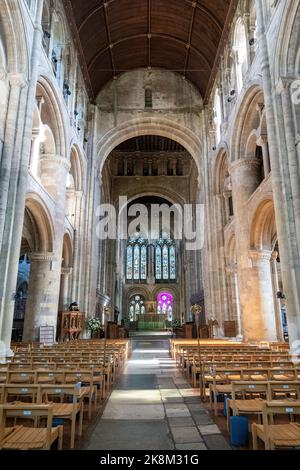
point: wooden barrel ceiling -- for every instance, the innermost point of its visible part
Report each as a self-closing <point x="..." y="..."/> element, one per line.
<point x="115" y="36"/>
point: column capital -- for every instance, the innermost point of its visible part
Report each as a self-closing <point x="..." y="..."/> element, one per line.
<point x="57" y="160"/>
<point x="42" y="256"/>
<point x="283" y="85"/>
<point x="66" y="271"/>
<point x="253" y="161"/>
<point x="260" y="255"/>
<point x="262" y="139"/>
<point x="17" y="79"/>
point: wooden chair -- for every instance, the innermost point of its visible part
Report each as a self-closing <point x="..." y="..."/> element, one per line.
<point x="284" y="390"/>
<point x="28" y="438"/>
<point x="30" y="393"/>
<point x="277" y="435"/>
<point x="247" y="405"/>
<point x="283" y="374"/>
<point x="65" y="411"/>
<point x="87" y="385"/>
<point x="20" y="377"/>
<point x="222" y="385"/>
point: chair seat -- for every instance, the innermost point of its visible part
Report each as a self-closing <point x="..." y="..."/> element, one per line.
<point x="259" y="378"/>
<point x="23" y="438"/>
<point x="249" y="406"/>
<point x="87" y="390"/>
<point x="281" y="435"/>
<point x="283" y="377"/>
<point x="63" y="409"/>
<point x="223" y="389"/>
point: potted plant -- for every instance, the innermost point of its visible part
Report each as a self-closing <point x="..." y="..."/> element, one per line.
<point x="94" y="326"/>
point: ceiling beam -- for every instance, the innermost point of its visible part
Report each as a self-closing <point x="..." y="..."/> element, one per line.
<point x="149" y="33"/>
<point x="162" y="36"/>
<point x="188" y="46"/>
<point x="110" y="44"/>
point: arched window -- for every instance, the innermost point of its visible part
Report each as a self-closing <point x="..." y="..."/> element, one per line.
<point x="241" y="51"/>
<point x="136" y="307"/>
<point x="165" y="305"/>
<point x="165" y="261"/>
<point x="129" y="262"/>
<point x="158" y="259"/>
<point x="137" y="260"/>
<point x="217" y="115"/>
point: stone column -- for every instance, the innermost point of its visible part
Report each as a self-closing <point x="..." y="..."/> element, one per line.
<point x="16" y="84"/>
<point x="65" y="300"/>
<point x="245" y="179"/>
<point x="77" y="248"/>
<point x="277" y="306"/>
<point x="14" y="216"/>
<point x="263" y="143"/>
<point x="41" y="306"/>
<point x="260" y="320"/>
<point x="284" y="89"/>
<point x="289" y="254"/>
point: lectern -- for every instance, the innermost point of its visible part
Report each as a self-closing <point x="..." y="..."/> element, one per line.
<point x="72" y="325"/>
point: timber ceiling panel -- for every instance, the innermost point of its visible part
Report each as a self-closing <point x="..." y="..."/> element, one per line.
<point x="114" y="36"/>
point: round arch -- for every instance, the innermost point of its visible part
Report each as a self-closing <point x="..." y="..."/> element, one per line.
<point x="263" y="231"/>
<point x="150" y="126"/>
<point x="53" y="116"/>
<point x="39" y="226"/>
<point x="170" y="288"/>
<point x="287" y="54"/>
<point x="15" y="37"/>
<point x="77" y="167"/>
<point x="67" y="251"/>
<point x="247" y="120"/>
<point x="137" y="290"/>
<point x="230" y="250"/>
<point x="221" y="162"/>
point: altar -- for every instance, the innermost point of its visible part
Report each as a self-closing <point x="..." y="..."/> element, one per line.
<point x="152" y="321"/>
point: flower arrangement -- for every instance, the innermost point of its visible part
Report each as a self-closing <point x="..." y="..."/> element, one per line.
<point x="94" y="325"/>
<point x="175" y="324"/>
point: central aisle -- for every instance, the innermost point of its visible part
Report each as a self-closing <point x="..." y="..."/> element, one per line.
<point x="153" y="407"/>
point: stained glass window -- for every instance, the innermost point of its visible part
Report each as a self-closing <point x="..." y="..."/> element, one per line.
<point x="136" y="308"/>
<point x="136" y="262"/>
<point x="143" y="262"/>
<point x="129" y="273"/>
<point x="158" y="270"/>
<point x="172" y="254"/>
<point x="165" y="262"/>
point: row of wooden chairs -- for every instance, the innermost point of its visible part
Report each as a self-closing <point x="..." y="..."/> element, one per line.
<point x="55" y="386"/>
<point x="69" y="403"/>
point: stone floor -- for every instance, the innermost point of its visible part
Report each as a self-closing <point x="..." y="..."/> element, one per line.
<point x="153" y="407"/>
